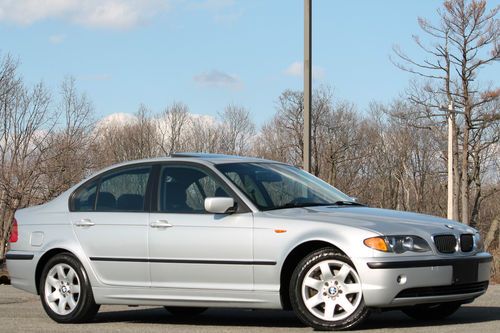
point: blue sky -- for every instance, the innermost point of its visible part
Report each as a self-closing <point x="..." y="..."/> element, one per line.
<point x="210" y="53"/>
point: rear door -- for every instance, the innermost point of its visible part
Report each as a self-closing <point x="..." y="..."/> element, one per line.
<point x="191" y="248"/>
<point x="110" y="220"/>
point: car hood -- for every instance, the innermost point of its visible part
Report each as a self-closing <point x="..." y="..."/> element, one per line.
<point x="383" y="221"/>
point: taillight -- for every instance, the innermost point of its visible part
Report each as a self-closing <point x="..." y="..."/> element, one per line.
<point x="14" y="234"/>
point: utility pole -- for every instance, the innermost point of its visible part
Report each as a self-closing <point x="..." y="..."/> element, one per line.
<point x="451" y="129"/>
<point x="307" y="83"/>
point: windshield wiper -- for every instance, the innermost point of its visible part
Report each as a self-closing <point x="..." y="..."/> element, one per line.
<point x="346" y="203"/>
<point x="312" y="204"/>
<point x="298" y="205"/>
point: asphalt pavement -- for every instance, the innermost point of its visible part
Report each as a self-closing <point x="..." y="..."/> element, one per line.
<point x="22" y="312"/>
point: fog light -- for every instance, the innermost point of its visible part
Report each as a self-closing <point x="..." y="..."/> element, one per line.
<point x="401" y="279"/>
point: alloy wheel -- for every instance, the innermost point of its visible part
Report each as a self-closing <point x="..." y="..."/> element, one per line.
<point x="331" y="290"/>
<point x="62" y="289"/>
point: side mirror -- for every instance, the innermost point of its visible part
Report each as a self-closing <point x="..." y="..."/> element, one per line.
<point x="219" y="205"/>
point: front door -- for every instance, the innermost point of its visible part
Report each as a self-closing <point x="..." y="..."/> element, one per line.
<point x="190" y="248"/>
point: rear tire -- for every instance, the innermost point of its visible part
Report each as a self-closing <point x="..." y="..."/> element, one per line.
<point x="326" y="293"/>
<point x="65" y="290"/>
<point x="432" y="311"/>
<point x="181" y="311"/>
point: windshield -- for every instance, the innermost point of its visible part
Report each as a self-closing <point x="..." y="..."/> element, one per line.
<point x="275" y="186"/>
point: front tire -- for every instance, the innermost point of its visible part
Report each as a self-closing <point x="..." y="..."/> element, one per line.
<point x="65" y="290"/>
<point x="432" y="311"/>
<point x="325" y="291"/>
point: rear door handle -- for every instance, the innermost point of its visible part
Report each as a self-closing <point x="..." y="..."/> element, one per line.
<point x="84" y="223"/>
<point x="160" y="224"/>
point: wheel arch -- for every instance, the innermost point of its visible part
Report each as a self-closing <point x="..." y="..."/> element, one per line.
<point x="291" y="261"/>
<point x="43" y="261"/>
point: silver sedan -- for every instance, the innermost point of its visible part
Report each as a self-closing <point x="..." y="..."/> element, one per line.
<point x="194" y="231"/>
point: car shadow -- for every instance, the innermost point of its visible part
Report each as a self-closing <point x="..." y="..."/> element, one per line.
<point x="465" y="315"/>
<point x="287" y="319"/>
<point x="211" y="317"/>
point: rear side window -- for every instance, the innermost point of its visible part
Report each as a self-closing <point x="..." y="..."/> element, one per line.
<point x="123" y="191"/>
<point x="120" y="191"/>
<point x="84" y="200"/>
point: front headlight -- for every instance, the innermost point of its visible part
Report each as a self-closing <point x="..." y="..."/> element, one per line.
<point x="397" y="244"/>
<point x="478" y="242"/>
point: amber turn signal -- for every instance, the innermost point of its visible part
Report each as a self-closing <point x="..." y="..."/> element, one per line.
<point x="376" y="243"/>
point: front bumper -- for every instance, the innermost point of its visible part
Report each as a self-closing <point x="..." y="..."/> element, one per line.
<point x="395" y="282"/>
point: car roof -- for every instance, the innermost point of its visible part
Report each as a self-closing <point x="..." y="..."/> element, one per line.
<point x="203" y="158"/>
<point x="216" y="158"/>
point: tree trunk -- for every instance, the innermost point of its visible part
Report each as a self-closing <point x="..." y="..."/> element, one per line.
<point x="465" y="177"/>
<point x="490" y="235"/>
<point x="3" y="243"/>
<point x="332" y="179"/>
<point x="477" y="194"/>
<point x="456" y="172"/>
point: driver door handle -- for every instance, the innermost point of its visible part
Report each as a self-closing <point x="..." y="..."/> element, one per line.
<point x="160" y="224"/>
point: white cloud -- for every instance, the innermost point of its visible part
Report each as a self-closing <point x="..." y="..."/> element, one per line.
<point x="116" y="119"/>
<point x="216" y="78"/>
<point x="297" y="69"/>
<point x="57" y="39"/>
<point x="28" y="11"/>
<point x="113" y="14"/>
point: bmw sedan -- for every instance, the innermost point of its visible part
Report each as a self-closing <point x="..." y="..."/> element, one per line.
<point x="194" y="231"/>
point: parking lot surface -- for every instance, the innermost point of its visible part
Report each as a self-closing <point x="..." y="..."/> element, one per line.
<point x="23" y="312"/>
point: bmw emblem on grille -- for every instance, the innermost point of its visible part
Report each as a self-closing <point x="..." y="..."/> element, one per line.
<point x="449" y="226"/>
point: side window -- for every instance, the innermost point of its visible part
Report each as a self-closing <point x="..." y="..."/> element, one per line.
<point x="183" y="189"/>
<point x="123" y="191"/>
<point x="195" y="198"/>
<point x="84" y="199"/>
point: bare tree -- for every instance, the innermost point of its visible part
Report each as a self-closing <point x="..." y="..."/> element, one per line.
<point x="341" y="139"/>
<point x="70" y="142"/>
<point x="464" y="42"/>
<point x="289" y="124"/>
<point x="132" y="139"/>
<point x="202" y="134"/>
<point x="236" y="129"/>
<point x="171" y="125"/>
<point x="286" y="128"/>
<point x="25" y="124"/>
